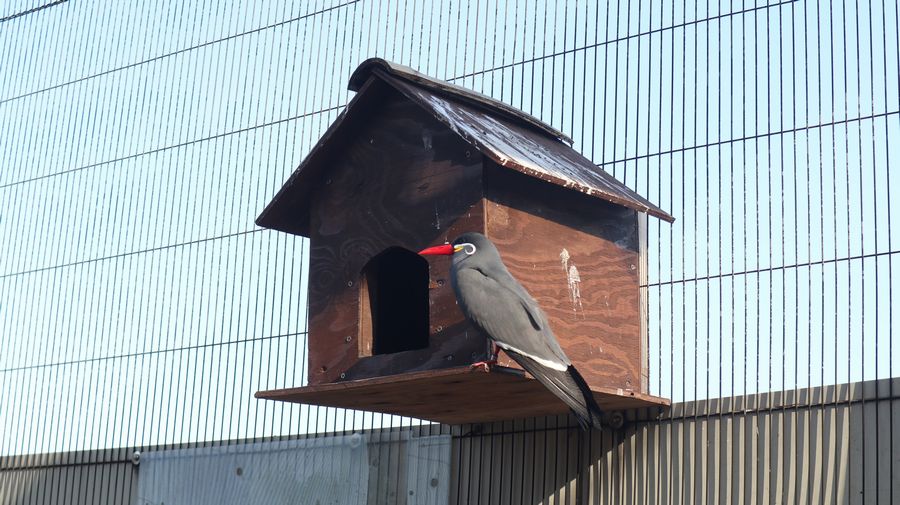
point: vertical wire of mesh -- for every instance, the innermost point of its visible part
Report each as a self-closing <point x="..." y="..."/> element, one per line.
<point x="890" y="259"/>
<point x="140" y="314"/>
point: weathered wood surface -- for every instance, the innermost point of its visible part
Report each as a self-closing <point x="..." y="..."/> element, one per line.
<point x="643" y="280"/>
<point x="579" y="259"/>
<point x="454" y="396"/>
<point x="406" y="181"/>
<point x="290" y="210"/>
<point x="521" y="147"/>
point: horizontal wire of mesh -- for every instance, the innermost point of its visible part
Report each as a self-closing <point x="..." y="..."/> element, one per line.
<point x="141" y="306"/>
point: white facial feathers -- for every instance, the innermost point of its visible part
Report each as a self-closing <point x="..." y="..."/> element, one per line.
<point x="467" y="247"/>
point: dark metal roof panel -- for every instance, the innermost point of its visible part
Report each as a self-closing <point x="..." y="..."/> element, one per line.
<point x="509" y="137"/>
<point x="513" y="146"/>
<point x="379" y="66"/>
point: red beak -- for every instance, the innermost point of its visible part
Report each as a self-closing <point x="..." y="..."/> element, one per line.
<point x="446" y="249"/>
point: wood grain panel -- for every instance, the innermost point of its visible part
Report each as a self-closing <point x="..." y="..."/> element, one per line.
<point x="579" y="259"/>
<point x="406" y="181"/>
<point x="454" y="396"/>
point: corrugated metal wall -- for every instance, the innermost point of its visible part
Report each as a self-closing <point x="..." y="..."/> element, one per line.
<point x="140" y="307"/>
<point x="831" y="445"/>
<point x="836" y="444"/>
<point x="113" y="483"/>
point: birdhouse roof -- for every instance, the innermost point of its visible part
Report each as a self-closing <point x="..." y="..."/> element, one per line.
<point x="511" y="138"/>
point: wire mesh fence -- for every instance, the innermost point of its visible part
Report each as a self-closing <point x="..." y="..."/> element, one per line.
<point x="141" y="307"/>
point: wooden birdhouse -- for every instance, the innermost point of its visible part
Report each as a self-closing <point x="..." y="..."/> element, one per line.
<point x="414" y="162"/>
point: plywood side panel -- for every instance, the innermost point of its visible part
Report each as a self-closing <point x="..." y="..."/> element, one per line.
<point x="405" y="181"/>
<point x="580" y="260"/>
<point x="455" y="396"/>
<point x="643" y="273"/>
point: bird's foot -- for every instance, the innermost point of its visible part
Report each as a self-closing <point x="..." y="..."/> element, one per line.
<point x="486" y="364"/>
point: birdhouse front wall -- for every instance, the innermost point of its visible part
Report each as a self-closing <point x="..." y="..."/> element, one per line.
<point x="580" y="259"/>
<point x="404" y="180"/>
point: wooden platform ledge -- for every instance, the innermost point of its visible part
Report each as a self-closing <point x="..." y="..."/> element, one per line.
<point x="454" y="396"/>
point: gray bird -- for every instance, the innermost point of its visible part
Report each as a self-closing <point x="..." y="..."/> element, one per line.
<point x="501" y="308"/>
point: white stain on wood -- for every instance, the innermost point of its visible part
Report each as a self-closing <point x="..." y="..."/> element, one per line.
<point x="573" y="280"/>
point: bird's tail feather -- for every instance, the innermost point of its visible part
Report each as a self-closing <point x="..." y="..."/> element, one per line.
<point x="568" y="386"/>
<point x="594" y="420"/>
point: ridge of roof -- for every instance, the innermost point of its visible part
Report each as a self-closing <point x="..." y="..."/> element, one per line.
<point x="512" y="145"/>
<point x="372" y="65"/>
<point x="509" y="137"/>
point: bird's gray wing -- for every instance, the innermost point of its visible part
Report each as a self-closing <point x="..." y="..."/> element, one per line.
<point x="509" y="316"/>
<point x="514" y="321"/>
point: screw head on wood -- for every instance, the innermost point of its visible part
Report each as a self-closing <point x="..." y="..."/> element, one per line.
<point x="615" y="420"/>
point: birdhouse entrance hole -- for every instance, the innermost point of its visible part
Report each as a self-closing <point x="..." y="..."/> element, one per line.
<point x="393" y="303"/>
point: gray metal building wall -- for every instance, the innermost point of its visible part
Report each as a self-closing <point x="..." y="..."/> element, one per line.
<point x="831" y="445"/>
<point x="141" y="308"/>
<point x="836" y="444"/>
